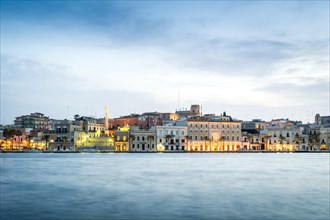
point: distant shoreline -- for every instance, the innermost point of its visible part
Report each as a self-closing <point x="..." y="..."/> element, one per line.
<point x="189" y="152"/>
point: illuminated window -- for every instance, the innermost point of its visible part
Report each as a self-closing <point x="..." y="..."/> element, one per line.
<point x="124" y="138"/>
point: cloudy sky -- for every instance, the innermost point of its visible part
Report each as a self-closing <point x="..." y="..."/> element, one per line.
<point x="252" y="59"/>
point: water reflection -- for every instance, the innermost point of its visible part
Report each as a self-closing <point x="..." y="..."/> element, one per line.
<point x="165" y="186"/>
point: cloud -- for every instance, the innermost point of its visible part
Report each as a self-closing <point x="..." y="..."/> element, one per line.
<point x="123" y="53"/>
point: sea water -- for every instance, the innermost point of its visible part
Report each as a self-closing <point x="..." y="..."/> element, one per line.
<point x="165" y="186"/>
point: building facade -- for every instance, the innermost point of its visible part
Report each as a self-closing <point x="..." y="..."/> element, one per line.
<point x="171" y="138"/>
<point x="36" y="121"/>
<point x="209" y="135"/>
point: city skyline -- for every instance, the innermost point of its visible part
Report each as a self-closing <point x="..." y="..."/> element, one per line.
<point x="251" y="59"/>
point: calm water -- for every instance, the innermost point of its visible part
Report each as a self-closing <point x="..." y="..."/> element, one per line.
<point x="165" y="186"/>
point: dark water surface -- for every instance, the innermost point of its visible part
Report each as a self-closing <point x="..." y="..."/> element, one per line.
<point x="164" y="186"/>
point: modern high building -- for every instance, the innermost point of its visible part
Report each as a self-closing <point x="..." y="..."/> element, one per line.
<point x="36" y="121"/>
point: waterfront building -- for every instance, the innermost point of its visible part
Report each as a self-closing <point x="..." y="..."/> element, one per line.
<point x="283" y="138"/>
<point x="250" y="140"/>
<point x="121" y="138"/>
<point x="171" y="138"/>
<point x="142" y="140"/>
<point x="36" y="121"/>
<point x="209" y="134"/>
<point x="325" y="138"/>
<point x="64" y="135"/>
<point x="318" y="137"/>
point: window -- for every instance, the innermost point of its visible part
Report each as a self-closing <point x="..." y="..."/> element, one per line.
<point x="124" y="138"/>
<point x="160" y="140"/>
<point x="133" y="146"/>
<point x="142" y="138"/>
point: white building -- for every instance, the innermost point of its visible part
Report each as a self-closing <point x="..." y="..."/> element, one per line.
<point x="171" y="138"/>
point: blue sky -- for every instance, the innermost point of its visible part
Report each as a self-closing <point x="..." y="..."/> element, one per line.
<point x="252" y="59"/>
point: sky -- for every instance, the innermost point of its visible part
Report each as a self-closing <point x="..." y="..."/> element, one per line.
<point x="252" y="59"/>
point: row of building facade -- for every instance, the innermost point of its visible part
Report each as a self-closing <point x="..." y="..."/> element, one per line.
<point x="184" y="130"/>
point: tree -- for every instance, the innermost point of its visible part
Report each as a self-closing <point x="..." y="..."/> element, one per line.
<point x="205" y="138"/>
<point x="297" y="140"/>
<point x="282" y="139"/>
<point x="76" y="117"/>
<point x="250" y="138"/>
<point x="222" y="139"/>
<point x="29" y="138"/>
<point x="46" y="137"/>
<point x="9" y="133"/>
<point x="314" y="140"/>
<point x="266" y="138"/>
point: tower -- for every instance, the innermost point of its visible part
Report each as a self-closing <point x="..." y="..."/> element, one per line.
<point x="106" y="120"/>
<point x="195" y="110"/>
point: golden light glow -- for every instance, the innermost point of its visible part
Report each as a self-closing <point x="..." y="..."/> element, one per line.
<point x="124" y="129"/>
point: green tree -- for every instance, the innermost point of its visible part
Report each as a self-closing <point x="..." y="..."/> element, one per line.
<point x="205" y="138"/>
<point x="46" y="137"/>
<point x="29" y="140"/>
<point x="76" y="117"/>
